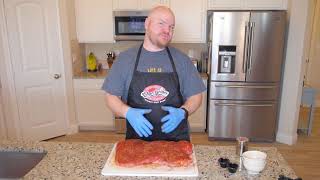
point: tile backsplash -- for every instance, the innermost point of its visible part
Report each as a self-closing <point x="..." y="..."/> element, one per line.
<point x="81" y="50"/>
<point x="100" y="49"/>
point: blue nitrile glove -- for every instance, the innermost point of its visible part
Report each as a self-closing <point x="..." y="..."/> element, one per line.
<point x="173" y="119"/>
<point x="139" y="123"/>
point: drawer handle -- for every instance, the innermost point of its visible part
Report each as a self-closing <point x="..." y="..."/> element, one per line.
<point x="241" y="86"/>
<point x="243" y="105"/>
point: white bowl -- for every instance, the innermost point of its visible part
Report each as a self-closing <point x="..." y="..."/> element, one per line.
<point x="254" y="161"/>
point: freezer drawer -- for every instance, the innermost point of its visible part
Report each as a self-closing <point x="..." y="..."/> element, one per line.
<point x="244" y="91"/>
<point x="252" y="119"/>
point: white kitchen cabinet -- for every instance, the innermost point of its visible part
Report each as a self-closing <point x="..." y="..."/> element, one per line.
<point x="91" y="111"/>
<point x="265" y="5"/>
<point x="149" y="4"/>
<point x="94" y="21"/>
<point x="198" y="119"/>
<point x="247" y="4"/>
<point x="190" y="21"/>
<point x="125" y="4"/>
<point x="137" y="4"/>
<point x="224" y="4"/>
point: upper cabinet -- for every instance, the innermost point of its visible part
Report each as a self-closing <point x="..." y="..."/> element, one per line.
<point x="94" y="20"/>
<point x="247" y="4"/>
<point x="224" y="4"/>
<point x="125" y="4"/>
<point x="266" y="4"/>
<point x="190" y="20"/>
<point x="149" y="4"/>
<point x="137" y="4"/>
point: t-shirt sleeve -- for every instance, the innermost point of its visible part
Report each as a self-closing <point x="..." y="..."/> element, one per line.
<point x="191" y="82"/>
<point x="115" y="81"/>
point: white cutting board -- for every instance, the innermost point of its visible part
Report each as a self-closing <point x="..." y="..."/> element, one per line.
<point x="111" y="169"/>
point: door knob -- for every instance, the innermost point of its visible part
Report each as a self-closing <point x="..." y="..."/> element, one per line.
<point x="57" y="76"/>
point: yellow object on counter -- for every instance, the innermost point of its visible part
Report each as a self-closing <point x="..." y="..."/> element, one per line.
<point x="91" y="62"/>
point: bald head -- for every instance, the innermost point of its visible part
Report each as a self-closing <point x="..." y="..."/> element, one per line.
<point x="160" y="10"/>
<point x="159" y="28"/>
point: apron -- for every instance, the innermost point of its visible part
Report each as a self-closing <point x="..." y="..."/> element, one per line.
<point x="151" y="91"/>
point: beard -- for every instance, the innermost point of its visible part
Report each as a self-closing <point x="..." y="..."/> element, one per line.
<point x="160" y="40"/>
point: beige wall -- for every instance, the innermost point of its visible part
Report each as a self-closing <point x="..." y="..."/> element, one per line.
<point x="71" y="19"/>
<point x="312" y="70"/>
<point x="293" y="71"/>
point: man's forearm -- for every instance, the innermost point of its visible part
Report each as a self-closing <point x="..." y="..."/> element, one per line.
<point x="116" y="105"/>
<point x="193" y="103"/>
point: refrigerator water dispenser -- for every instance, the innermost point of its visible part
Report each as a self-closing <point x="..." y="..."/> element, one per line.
<point x="226" y="60"/>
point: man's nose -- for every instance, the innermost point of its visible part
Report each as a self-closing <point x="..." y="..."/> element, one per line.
<point x="166" y="29"/>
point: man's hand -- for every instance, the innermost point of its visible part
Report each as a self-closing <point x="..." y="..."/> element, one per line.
<point x="139" y="123"/>
<point x="173" y="119"/>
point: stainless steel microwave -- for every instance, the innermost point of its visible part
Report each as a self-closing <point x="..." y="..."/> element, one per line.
<point x="129" y="25"/>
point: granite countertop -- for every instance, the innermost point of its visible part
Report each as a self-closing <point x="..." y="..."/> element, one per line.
<point x="101" y="74"/>
<point x="65" y="160"/>
<point x="104" y="72"/>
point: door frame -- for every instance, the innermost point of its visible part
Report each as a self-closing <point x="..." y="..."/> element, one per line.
<point x="11" y="121"/>
<point x="10" y="108"/>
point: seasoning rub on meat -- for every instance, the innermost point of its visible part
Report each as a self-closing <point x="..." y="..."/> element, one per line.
<point x="135" y="152"/>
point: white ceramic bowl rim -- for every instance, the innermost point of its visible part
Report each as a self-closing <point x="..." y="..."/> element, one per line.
<point x="257" y="155"/>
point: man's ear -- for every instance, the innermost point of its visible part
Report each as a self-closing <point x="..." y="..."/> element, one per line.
<point x="146" y="23"/>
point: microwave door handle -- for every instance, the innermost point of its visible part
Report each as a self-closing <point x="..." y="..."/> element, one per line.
<point x="246" y="44"/>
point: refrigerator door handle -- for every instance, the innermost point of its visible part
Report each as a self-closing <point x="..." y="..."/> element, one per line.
<point x="245" y="86"/>
<point x="246" y="43"/>
<point x="251" y="36"/>
<point x="243" y="104"/>
<point x="209" y="58"/>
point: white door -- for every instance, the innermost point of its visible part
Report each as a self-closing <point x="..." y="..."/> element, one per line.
<point x="37" y="61"/>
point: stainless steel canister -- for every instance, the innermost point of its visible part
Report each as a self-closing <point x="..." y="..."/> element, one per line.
<point x="242" y="145"/>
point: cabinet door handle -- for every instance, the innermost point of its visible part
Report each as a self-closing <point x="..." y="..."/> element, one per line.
<point x="57" y="76"/>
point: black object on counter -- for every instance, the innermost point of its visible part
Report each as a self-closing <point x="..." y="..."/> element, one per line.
<point x="232" y="168"/>
<point x="282" y="177"/>
<point x="224" y="162"/>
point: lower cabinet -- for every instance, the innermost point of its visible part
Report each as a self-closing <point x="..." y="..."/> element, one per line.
<point x="198" y="119"/>
<point x="91" y="111"/>
<point x="93" y="114"/>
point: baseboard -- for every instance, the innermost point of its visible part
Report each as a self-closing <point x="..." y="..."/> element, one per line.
<point x="74" y="128"/>
<point x="287" y="139"/>
<point x="95" y="127"/>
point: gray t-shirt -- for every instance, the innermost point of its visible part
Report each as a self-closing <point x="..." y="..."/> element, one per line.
<point x="119" y="77"/>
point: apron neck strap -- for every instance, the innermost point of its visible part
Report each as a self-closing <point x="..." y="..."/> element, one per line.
<point x="171" y="60"/>
<point x="169" y="54"/>
<point x="137" y="58"/>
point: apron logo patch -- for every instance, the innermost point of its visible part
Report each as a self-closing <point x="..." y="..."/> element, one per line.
<point x="154" y="94"/>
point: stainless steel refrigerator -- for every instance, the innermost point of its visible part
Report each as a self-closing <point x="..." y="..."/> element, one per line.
<point x="245" y="59"/>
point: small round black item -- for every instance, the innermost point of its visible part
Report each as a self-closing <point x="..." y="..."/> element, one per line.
<point x="224" y="162"/>
<point x="232" y="168"/>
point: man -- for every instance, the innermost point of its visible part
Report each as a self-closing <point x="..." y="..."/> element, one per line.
<point x="159" y="86"/>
